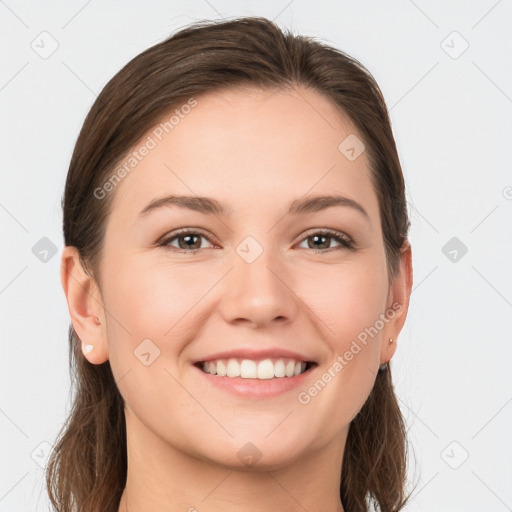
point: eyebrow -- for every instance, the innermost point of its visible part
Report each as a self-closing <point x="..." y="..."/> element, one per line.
<point x="209" y="206"/>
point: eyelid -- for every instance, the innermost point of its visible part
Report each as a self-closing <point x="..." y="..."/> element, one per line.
<point x="327" y="231"/>
<point x="164" y="240"/>
<point x="349" y="242"/>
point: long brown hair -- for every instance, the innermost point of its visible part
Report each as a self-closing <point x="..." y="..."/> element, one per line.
<point x="87" y="468"/>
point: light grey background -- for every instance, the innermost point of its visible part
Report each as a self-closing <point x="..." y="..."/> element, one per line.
<point x="451" y="113"/>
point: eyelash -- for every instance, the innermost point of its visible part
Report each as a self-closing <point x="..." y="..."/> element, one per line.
<point x="345" y="241"/>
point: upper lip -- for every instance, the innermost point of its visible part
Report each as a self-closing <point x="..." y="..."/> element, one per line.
<point x="254" y="354"/>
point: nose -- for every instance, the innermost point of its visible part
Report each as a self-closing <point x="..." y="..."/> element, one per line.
<point x="258" y="293"/>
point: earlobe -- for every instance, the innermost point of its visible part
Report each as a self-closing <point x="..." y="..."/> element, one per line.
<point x="391" y="351"/>
<point x="85" y="306"/>
<point x="402" y="286"/>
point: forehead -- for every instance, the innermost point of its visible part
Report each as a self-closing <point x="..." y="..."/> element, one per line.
<point x="247" y="146"/>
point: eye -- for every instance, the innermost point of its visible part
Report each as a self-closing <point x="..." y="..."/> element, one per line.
<point x="323" y="238"/>
<point x="187" y="240"/>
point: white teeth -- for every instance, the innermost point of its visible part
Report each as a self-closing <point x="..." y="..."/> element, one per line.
<point x="266" y="369"/>
<point x="233" y="369"/>
<point x="279" y="370"/>
<point x="249" y="369"/>
<point x="290" y="366"/>
<point x="221" y="368"/>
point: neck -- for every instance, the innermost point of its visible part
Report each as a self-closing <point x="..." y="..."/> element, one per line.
<point x="162" y="478"/>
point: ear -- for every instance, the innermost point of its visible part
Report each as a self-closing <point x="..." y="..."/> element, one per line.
<point x="398" y="303"/>
<point x="85" y="306"/>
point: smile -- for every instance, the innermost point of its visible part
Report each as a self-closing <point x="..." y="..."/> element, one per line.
<point x="264" y="369"/>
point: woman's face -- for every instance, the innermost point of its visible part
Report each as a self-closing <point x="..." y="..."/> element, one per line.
<point x="260" y="280"/>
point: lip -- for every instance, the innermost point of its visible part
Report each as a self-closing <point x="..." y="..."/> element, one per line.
<point x="257" y="355"/>
<point x="256" y="388"/>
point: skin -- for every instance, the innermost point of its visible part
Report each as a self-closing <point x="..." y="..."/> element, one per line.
<point x="255" y="152"/>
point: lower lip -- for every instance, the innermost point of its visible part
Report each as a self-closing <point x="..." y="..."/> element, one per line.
<point x="257" y="388"/>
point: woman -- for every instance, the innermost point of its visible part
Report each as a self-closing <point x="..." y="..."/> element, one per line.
<point x="237" y="271"/>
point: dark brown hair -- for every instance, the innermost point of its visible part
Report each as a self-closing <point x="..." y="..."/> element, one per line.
<point x="88" y="466"/>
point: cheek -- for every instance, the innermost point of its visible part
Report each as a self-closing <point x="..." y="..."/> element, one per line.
<point x="154" y="301"/>
<point x="351" y="303"/>
<point x="152" y="309"/>
<point x="347" y="299"/>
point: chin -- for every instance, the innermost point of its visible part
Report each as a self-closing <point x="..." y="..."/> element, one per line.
<point x="256" y="455"/>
